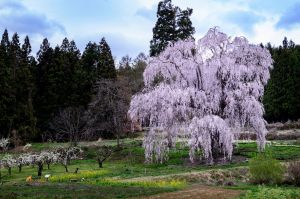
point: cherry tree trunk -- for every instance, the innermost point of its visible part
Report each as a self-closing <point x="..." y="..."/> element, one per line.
<point x="66" y="167"/>
<point x="40" y="169"/>
<point x="100" y="163"/>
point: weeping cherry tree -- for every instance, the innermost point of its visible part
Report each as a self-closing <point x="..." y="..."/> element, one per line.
<point x="206" y="92"/>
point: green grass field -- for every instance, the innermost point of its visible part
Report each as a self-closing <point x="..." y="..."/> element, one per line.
<point x="126" y="175"/>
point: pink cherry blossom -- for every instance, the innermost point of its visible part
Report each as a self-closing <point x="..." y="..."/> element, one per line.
<point x="205" y="92"/>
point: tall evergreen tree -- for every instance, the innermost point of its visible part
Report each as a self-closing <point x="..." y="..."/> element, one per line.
<point x="69" y="60"/>
<point x="90" y="56"/>
<point x="285" y="43"/>
<point x="172" y="25"/>
<point x="44" y="99"/>
<point x="14" y="53"/>
<point x="26" y="48"/>
<point x="80" y="82"/>
<point x="17" y="113"/>
<point x="5" y="43"/>
<point x="106" y="65"/>
<point x="89" y="61"/>
<point x="26" y="119"/>
<point x="184" y="25"/>
<point x="6" y="97"/>
<point x="165" y="28"/>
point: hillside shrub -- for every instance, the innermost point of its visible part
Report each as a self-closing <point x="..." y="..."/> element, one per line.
<point x="294" y="172"/>
<point x="265" y="170"/>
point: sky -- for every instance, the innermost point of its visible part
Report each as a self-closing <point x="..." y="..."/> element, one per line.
<point x="127" y="24"/>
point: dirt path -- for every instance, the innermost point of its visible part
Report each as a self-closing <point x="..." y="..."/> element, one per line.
<point x="199" y="192"/>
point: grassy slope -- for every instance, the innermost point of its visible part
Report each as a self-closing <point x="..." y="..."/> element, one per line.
<point x="125" y="164"/>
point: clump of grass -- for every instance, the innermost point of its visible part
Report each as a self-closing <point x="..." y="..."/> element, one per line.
<point x="294" y="172"/>
<point x="77" y="176"/>
<point x="154" y="184"/>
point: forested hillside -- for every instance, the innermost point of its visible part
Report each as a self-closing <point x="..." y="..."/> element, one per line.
<point x="34" y="90"/>
<point x="282" y="94"/>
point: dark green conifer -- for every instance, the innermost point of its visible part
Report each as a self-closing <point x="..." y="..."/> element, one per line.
<point x="282" y="93"/>
<point x="164" y="31"/>
<point x="172" y="24"/>
<point x="106" y="65"/>
<point x="184" y="25"/>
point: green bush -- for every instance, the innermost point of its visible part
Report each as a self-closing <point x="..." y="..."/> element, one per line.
<point x="265" y="170"/>
<point x="272" y="193"/>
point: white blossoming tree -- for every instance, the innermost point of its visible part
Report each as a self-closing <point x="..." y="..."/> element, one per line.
<point x="49" y="157"/>
<point x="206" y="92"/>
<point x="39" y="160"/>
<point x="4" y="142"/>
<point x="65" y="155"/>
<point x="22" y="160"/>
<point x="8" y="162"/>
<point x="45" y="157"/>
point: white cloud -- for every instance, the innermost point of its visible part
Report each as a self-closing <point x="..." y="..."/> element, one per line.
<point x="147" y="3"/>
<point x="118" y="20"/>
<point x="267" y="32"/>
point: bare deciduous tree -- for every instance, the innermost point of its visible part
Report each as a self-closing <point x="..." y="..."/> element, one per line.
<point x="69" y="124"/>
<point x="102" y="153"/>
<point x="108" y="111"/>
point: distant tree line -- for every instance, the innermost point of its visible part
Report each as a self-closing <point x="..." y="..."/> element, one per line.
<point x="57" y="87"/>
<point x="282" y="93"/>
